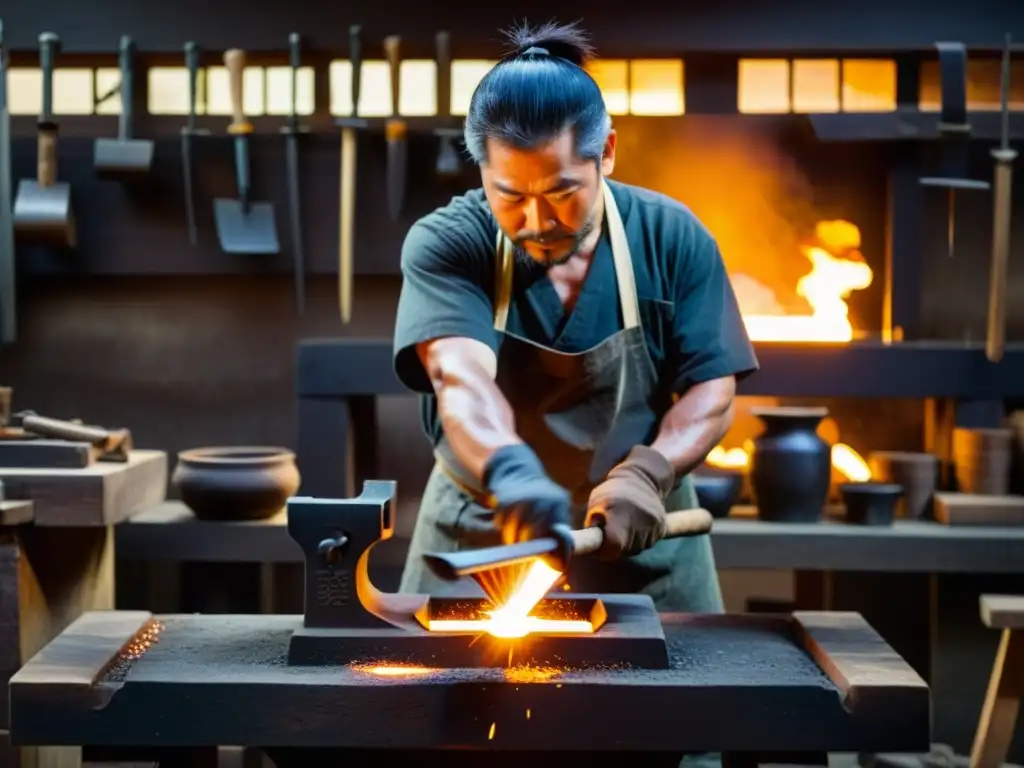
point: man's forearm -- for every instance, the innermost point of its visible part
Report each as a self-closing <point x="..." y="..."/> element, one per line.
<point x="696" y="423"/>
<point x="476" y="418"/>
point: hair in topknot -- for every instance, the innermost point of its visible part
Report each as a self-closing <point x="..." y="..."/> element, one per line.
<point x="537" y="91"/>
<point x="565" y="41"/>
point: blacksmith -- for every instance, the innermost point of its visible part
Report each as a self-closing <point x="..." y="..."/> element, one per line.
<point x="576" y="340"/>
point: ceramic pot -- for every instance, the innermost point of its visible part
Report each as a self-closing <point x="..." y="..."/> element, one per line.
<point x="245" y="483"/>
<point x="790" y="466"/>
<point x="870" y="503"/>
<point x="717" y="489"/>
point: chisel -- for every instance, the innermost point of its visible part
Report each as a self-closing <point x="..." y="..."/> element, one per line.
<point x="292" y="138"/>
<point x="192" y="65"/>
<point x="347" y="175"/>
<point x="1002" y="205"/>
<point x="395" y="130"/>
<point x="8" y="333"/>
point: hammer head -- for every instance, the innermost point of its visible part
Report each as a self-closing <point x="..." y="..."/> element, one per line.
<point x="555" y="549"/>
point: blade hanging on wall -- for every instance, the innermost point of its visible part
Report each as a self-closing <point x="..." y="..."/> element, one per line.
<point x="8" y="313"/>
<point x="187" y="133"/>
<point x="292" y="131"/>
<point x="1002" y="205"/>
<point x="954" y="133"/>
<point x="347" y="177"/>
<point x="448" y="164"/>
<point x="396" y="131"/>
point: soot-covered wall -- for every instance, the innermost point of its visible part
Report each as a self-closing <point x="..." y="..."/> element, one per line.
<point x="189" y="346"/>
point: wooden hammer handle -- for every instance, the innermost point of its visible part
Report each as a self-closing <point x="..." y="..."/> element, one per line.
<point x="685" y="522"/>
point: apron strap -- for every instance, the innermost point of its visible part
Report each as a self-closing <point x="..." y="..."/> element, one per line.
<point x="503" y="276"/>
<point x="621" y="258"/>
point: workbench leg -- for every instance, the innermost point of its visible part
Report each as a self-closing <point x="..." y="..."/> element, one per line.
<point x="1002" y="702"/>
<point x="48" y="578"/>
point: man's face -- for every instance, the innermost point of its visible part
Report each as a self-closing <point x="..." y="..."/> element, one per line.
<point x="545" y="198"/>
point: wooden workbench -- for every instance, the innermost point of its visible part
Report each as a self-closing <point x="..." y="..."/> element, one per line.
<point x="57" y="559"/>
<point x="811" y="683"/>
<point x="101" y="494"/>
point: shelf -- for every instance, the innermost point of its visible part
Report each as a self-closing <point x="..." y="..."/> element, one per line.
<point x="344" y="368"/>
<point x="906" y="125"/>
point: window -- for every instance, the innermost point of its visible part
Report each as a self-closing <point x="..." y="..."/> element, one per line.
<point x="776" y="86"/>
<point x="612" y="77"/>
<point x="764" y="86"/>
<point x="418" y="96"/>
<point x="869" y="85"/>
<point x="984" y="85"/>
<point x="267" y="91"/>
<point x="75" y="90"/>
<point x="466" y="76"/>
<point x="815" y="85"/>
<point x="656" y="87"/>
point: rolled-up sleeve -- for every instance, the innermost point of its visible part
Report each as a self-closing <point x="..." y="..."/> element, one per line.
<point x="446" y="291"/>
<point x="710" y="339"/>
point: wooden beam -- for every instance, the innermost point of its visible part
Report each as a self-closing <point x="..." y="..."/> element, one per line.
<point x="871" y="676"/>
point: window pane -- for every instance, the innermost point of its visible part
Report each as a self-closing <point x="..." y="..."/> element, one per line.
<point x="279" y="90"/>
<point x="466" y="76"/>
<point x="764" y="86"/>
<point x="816" y="85"/>
<point x="869" y="85"/>
<point x="656" y="87"/>
<point x="612" y="77"/>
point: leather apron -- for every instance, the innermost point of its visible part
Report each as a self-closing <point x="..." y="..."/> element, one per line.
<point x="581" y="413"/>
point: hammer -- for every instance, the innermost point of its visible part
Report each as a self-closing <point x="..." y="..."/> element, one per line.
<point x="450" y="566"/>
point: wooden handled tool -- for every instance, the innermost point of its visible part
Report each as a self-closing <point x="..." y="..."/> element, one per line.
<point x="1004" y="155"/>
<point x="347" y="177"/>
<point x="453" y="565"/>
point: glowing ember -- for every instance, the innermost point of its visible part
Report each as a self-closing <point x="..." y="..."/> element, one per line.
<point x="513" y="619"/>
<point x="393" y="670"/>
<point x="837" y="269"/>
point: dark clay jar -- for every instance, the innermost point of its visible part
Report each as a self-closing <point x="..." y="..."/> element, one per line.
<point x="790" y="467"/>
<point x="246" y="483"/>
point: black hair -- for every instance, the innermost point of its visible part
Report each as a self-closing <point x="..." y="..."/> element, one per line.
<point x="538" y="91"/>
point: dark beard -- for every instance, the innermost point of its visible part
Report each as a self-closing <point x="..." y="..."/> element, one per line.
<point x="525" y="258"/>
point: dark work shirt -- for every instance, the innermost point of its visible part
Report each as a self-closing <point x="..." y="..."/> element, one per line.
<point x="691" y="321"/>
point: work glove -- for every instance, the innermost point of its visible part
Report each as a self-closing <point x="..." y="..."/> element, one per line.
<point x="528" y="503"/>
<point x="630" y="504"/>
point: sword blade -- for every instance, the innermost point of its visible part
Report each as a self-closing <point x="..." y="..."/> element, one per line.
<point x="186" y="177"/>
<point x="8" y="316"/>
<point x="397" y="159"/>
<point x="346" y="222"/>
<point x="293" y="206"/>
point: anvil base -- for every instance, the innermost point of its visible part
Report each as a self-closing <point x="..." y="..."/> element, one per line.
<point x="631" y="635"/>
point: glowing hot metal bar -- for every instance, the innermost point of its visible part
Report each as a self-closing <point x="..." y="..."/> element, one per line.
<point x="513" y="618"/>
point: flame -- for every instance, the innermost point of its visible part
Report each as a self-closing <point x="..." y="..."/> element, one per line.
<point x="513" y="619"/>
<point x="837" y="269"/>
<point x="845" y="460"/>
<point x="728" y="458"/>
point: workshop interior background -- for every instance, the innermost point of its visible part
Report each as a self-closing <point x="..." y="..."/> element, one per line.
<point x="774" y="122"/>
